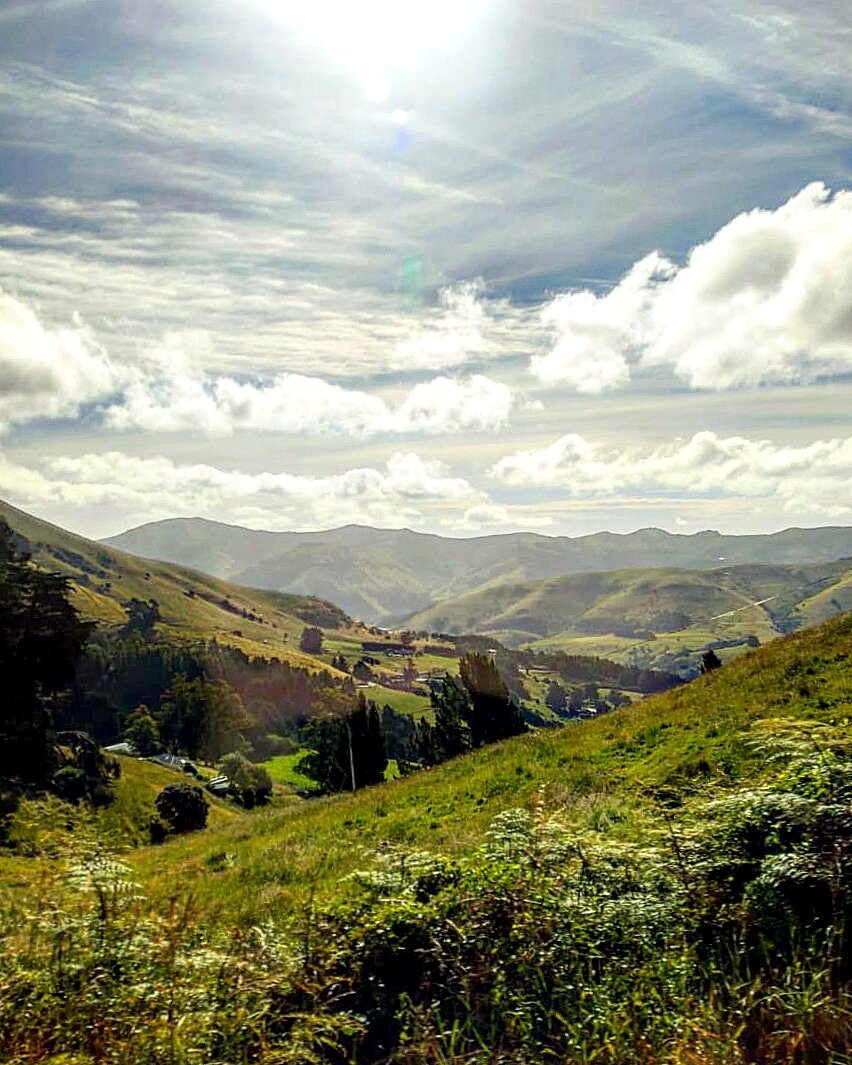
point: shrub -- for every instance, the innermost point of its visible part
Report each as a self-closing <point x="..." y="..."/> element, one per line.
<point x="183" y="807"/>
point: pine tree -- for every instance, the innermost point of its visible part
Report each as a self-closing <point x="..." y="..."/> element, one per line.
<point x="41" y="640"/>
<point x="493" y="716"/>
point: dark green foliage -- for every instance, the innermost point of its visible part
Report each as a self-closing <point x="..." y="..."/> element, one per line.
<point x="203" y="719"/>
<point x="182" y="807"/>
<point x="348" y="751"/>
<point x="470" y="712"/>
<point x="709" y="661"/>
<point x="142" y="617"/>
<point x="85" y="771"/>
<point x="493" y="715"/>
<point x="41" y="639"/>
<point x="311" y="640"/>
<point x="398" y="730"/>
<point x="142" y="732"/>
<point x="450" y="735"/>
<point x="556" y="698"/>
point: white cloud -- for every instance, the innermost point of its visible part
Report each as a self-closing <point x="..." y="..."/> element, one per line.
<point x="47" y="373"/>
<point x="768" y="299"/>
<point x="814" y="479"/>
<point x="170" y="394"/>
<point x="453" y="337"/>
<point x="488" y="517"/>
<point x="447" y="405"/>
<point x="594" y="334"/>
<point x="149" y="488"/>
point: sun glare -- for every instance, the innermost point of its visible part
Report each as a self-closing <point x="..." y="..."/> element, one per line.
<point x="376" y="37"/>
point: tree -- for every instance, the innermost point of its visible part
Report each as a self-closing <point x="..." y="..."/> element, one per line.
<point x="453" y="711"/>
<point x="41" y="640"/>
<point x="556" y="698"/>
<point x="311" y="640"/>
<point x="493" y="715"/>
<point x="203" y="718"/>
<point x="251" y="785"/>
<point x="348" y="751"/>
<point x="183" y="807"/>
<point x="709" y="661"/>
<point x="142" y="733"/>
<point x="142" y="616"/>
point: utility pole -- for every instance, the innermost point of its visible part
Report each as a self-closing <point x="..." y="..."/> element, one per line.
<point x="351" y="756"/>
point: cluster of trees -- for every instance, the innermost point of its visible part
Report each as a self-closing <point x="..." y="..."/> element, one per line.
<point x="311" y="640"/>
<point x="41" y="641"/>
<point x="473" y="711"/>
<point x="348" y="749"/>
<point x="569" y="701"/>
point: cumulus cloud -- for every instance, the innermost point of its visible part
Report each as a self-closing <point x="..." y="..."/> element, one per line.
<point x="768" y="299"/>
<point x="157" y="487"/>
<point x="816" y="478"/>
<point x="174" y="397"/>
<point x="47" y="373"/>
<point x="595" y="334"/>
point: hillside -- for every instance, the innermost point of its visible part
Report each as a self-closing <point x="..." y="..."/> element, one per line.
<point x="192" y="604"/>
<point x="384" y="575"/>
<point x="660" y="618"/>
<point x="695" y="736"/>
<point x="591" y="893"/>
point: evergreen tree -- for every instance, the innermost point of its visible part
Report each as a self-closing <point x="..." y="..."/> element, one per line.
<point x="453" y="711"/>
<point x="41" y="639"/>
<point x="493" y="716"/>
<point x="348" y="751"/>
<point x="556" y="697"/>
<point x="311" y="640"/>
<point x="710" y="661"/>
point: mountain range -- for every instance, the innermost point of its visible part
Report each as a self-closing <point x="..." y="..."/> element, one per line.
<point x="388" y="576"/>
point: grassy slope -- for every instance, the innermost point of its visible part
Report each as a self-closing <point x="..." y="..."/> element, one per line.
<point x="581" y="612"/>
<point x="601" y="774"/>
<point x="103" y="579"/>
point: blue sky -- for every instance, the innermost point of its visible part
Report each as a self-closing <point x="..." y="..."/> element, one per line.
<point x="468" y="267"/>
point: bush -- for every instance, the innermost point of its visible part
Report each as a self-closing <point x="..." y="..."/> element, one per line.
<point x="183" y="807"/>
<point x="70" y="783"/>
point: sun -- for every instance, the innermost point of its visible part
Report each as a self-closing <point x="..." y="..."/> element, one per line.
<point x="377" y="37"/>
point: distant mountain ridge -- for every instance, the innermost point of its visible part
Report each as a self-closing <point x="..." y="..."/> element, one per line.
<point x="386" y="575"/>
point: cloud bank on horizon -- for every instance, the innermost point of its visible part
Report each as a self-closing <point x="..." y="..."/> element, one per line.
<point x="599" y="279"/>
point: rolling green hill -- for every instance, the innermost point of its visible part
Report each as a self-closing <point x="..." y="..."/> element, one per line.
<point x="192" y="604"/>
<point x="659" y="618"/>
<point x="590" y="893"/>
<point x="384" y="575"/>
